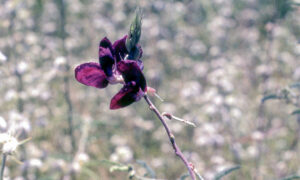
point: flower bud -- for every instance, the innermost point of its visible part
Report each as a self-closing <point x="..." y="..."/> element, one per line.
<point x="134" y="31"/>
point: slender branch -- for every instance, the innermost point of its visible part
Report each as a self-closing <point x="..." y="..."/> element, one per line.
<point x="171" y="137"/>
<point x="3" y="166"/>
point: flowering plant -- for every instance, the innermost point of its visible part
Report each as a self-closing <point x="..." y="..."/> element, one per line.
<point x="113" y="68"/>
<point x="120" y="63"/>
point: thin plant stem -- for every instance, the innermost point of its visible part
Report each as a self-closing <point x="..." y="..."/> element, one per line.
<point x="61" y="4"/>
<point x="3" y="166"/>
<point x="171" y="138"/>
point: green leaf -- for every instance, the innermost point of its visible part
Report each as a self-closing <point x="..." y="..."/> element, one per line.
<point x="297" y="111"/>
<point x="221" y="174"/>
<point x="291" y="177"/>
<point x="268" y="97"/>
<point x="120" y="168"/>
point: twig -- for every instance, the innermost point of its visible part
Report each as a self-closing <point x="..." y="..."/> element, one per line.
<point x="3" y="166"/>
<point x="171" y="137"/>
<point x="170" y="116"/>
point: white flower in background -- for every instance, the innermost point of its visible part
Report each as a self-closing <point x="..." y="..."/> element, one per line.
<point x="35" y="163"/>
<point x="3" y="123"/>
<point x="9" y="143"/>
<point x="79" y="160"/>
<point x="76" y="166"/>
<point x="4" y="137"/>
<point x="122" y="154"/>
<point x="82" y="158"/>
<point x="22" y="67"/>
<point x="18" y="122"/>
<point x="10" y="95"/>
<point x="3" y="58"/>
<point x="60" y="61"/>
<point x="257" y="136"/>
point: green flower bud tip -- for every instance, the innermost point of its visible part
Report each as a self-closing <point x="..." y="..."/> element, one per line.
<point x="134" y="31"/>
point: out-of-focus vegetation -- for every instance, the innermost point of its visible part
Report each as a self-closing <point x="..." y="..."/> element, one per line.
<point x="212" y="61"/>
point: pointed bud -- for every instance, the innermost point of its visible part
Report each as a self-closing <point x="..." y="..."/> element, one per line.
<point x="167" y="115"/>
<point x="134" y="31"/>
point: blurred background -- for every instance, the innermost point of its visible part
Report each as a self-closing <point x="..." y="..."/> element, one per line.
<point x="212" y="61"/>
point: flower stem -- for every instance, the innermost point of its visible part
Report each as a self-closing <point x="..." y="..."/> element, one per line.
<point x="171" y="138"/>
<point x="3" y="166"/>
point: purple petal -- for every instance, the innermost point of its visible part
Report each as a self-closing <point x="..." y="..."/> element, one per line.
<point x="120" y="48"/>
<point x="91" y="74"/>
<point x="106" y="60"/>
<point x="105" y="43"/>
<point x="124" y="97"/>
<point x="131" y="71"/>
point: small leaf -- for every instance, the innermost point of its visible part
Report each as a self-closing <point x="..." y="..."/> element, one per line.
<point x="291" y="177"/>
<point x="119" y="168"/>
<point x="225" y="172"/>
<point x="297" y="111"/>
<point x="268" y="97"/>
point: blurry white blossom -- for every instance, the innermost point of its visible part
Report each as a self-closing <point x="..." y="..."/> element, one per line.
<point x="82" y="157"/>
<point x="79" y="160"/>
<point x="3" y="123"/>
<point x="18" y="123"/>
<point x="257" y="136"/>
<point x="35" y="163"/>
<point x="76" y="166"/>
<point x="9" y="143"/>
<point x="122" y="154"/>
<point x="22" y="67"/>
<point x="59" y="61"/>
<point x="2" y="57"/>
<point x="252" y="151"/>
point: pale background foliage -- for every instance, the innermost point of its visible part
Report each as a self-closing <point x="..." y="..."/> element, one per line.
<point x="211" y="60"/>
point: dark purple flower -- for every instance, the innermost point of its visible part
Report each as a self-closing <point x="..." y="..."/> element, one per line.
<point x="135" y="85"/>
<point x="112" y="69"/>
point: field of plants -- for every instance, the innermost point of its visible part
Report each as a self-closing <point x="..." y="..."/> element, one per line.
<point x="229" y="69"/>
